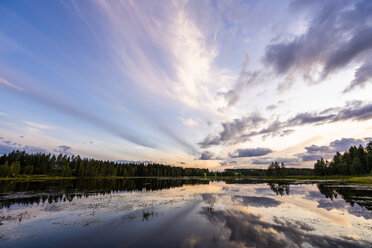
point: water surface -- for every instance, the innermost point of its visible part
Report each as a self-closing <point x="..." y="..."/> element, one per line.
<point x="184" y="213"/>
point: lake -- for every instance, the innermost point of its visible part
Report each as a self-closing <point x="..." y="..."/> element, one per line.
<point x="149" y="212"/>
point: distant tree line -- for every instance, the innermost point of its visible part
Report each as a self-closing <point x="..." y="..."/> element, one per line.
<point x="355" y="161"/>
<point x="21" y="163"/>
<point x="274" y="169"/>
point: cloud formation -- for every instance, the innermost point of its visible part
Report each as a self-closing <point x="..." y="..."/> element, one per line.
<point x="339" y="33"/>
<point x="206" y="155"/>
<point x="236" y="131"/>
<point x="250" y="152"/>
<point x="231" y="131"/>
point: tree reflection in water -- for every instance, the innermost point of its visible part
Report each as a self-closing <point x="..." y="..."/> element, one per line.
<point x="28" y="193"/>
<point x="280" y="188"/>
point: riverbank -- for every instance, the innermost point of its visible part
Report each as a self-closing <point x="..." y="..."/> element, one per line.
<point x="349" y="179"/>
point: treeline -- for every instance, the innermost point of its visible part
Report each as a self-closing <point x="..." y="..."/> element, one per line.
<point x="21" y="163"/>
<point x="355" y="161"/>
<point x="274" y="169"/>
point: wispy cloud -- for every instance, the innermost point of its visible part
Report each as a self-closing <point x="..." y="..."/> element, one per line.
<point x="8" y="84"/>
<point x="125" y="133"/>
<point x="37" y="125"/>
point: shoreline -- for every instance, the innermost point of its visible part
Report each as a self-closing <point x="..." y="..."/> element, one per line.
<point x="364" y="179"/>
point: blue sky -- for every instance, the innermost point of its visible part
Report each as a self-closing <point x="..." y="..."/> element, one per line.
<point x="216" y="84"/>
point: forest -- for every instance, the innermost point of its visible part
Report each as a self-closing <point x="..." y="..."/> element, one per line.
<point x="355" y="161"/>
<point x="21" y="163"/>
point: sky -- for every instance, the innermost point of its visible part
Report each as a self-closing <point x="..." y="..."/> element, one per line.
<point x="198" y="83"/>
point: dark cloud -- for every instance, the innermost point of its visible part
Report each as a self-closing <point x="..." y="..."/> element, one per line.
<point x="65" y="148"/>
<point x="286" y="132"/>
<point x="236" y="131"/>
<point x="251" y="152"/>
<point x="308" y="118"/>
<point x="206" y="155"/>
<point x="339" y="33"/>
<point x="362" y="76"/>
<point x="315" y="152"/>
<point x="232" y="131"/>
<point x="345" y="143"/>
<point x="313" y="149"/>
<point x="271" y="107"/>
<point x="356" y="111"/>
<point x="312" y="157"/>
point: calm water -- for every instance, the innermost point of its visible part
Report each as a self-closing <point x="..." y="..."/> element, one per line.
<point x="184" y="213"/>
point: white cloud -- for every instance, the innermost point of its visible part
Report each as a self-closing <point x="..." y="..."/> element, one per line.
<point x="8" y="84"/>
<point x="37" y="125"/>
<point x="189" y="122"/>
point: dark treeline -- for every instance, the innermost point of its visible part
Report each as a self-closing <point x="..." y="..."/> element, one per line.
<point x="355" y="161"/>
<point x="21" y="163"/>
<point x="274" y="169"/>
